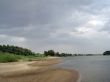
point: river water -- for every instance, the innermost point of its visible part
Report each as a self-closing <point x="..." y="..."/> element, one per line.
<point x="91" y="68"/>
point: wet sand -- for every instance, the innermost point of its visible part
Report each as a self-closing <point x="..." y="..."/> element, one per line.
<point x="36" y="71"/>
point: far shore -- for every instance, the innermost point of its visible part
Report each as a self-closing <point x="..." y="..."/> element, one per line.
<point x="36" y="71"/>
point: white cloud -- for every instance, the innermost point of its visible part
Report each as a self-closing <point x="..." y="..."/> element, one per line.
<point x="6" y="39"/>
<point x="18" y="39"/>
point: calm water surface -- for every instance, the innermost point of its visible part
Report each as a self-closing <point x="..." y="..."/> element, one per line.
<point x="91" y="68"/>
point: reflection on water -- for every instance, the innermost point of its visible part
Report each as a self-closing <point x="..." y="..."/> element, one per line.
<point x="91" y="68"/>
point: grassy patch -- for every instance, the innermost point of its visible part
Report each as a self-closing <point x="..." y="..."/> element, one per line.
<point x="7" y="57"/>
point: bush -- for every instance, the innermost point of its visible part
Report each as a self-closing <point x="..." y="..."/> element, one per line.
<point x="6" y="57"/>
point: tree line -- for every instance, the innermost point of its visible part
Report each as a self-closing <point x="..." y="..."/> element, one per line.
<point x="27" y="52"/>
<point x="106" y="53"/>
<point x="53" y="53"/>
<point x="16" y="50"/>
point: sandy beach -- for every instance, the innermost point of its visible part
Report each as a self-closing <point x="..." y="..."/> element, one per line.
<point x="36" y="71"/>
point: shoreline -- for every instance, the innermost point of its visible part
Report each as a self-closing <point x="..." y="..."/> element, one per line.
<point x="37" y="71"/>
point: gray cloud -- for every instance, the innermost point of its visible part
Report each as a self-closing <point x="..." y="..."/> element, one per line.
<point x="75" y="26"/>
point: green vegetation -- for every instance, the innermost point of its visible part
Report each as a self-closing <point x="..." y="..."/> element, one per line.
<point x="53" y="53"/>
<point x="16" y="50"/>
<point x="8" y="57"/>
<point x="14" y="53"/>
<point x="106" y="53"/>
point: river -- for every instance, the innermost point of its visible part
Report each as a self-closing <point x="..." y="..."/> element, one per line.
<point x="91" y="68"/>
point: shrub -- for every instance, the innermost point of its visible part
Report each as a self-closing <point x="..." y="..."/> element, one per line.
<point x="6" y="57"/>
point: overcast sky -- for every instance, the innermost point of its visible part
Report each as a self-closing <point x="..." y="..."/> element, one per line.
<point x="74" y="26"/>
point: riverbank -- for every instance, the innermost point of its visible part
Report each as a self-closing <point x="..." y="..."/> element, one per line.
<point x="36" y="71"/>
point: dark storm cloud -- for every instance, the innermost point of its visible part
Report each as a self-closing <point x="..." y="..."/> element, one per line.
<point x="55" y="24"/>
<point x="22" y="12"/>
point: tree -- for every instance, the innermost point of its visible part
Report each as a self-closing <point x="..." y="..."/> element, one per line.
<point x="106" y="53"/>
<point x="46" y="53"/>
<point x="16" y="50"/>
<point x="51" y="53"/>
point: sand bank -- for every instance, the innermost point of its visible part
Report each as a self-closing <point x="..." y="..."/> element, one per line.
<point x="36" y="71"/>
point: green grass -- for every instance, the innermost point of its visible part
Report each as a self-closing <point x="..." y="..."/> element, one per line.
<point x="7" y="57"/>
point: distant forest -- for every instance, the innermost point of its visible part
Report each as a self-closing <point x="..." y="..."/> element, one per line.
<point x="16" y="50"/>
<point x="106" y="53"/>
<point x="53" y="53"/>
<point x="27" y="52"/>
